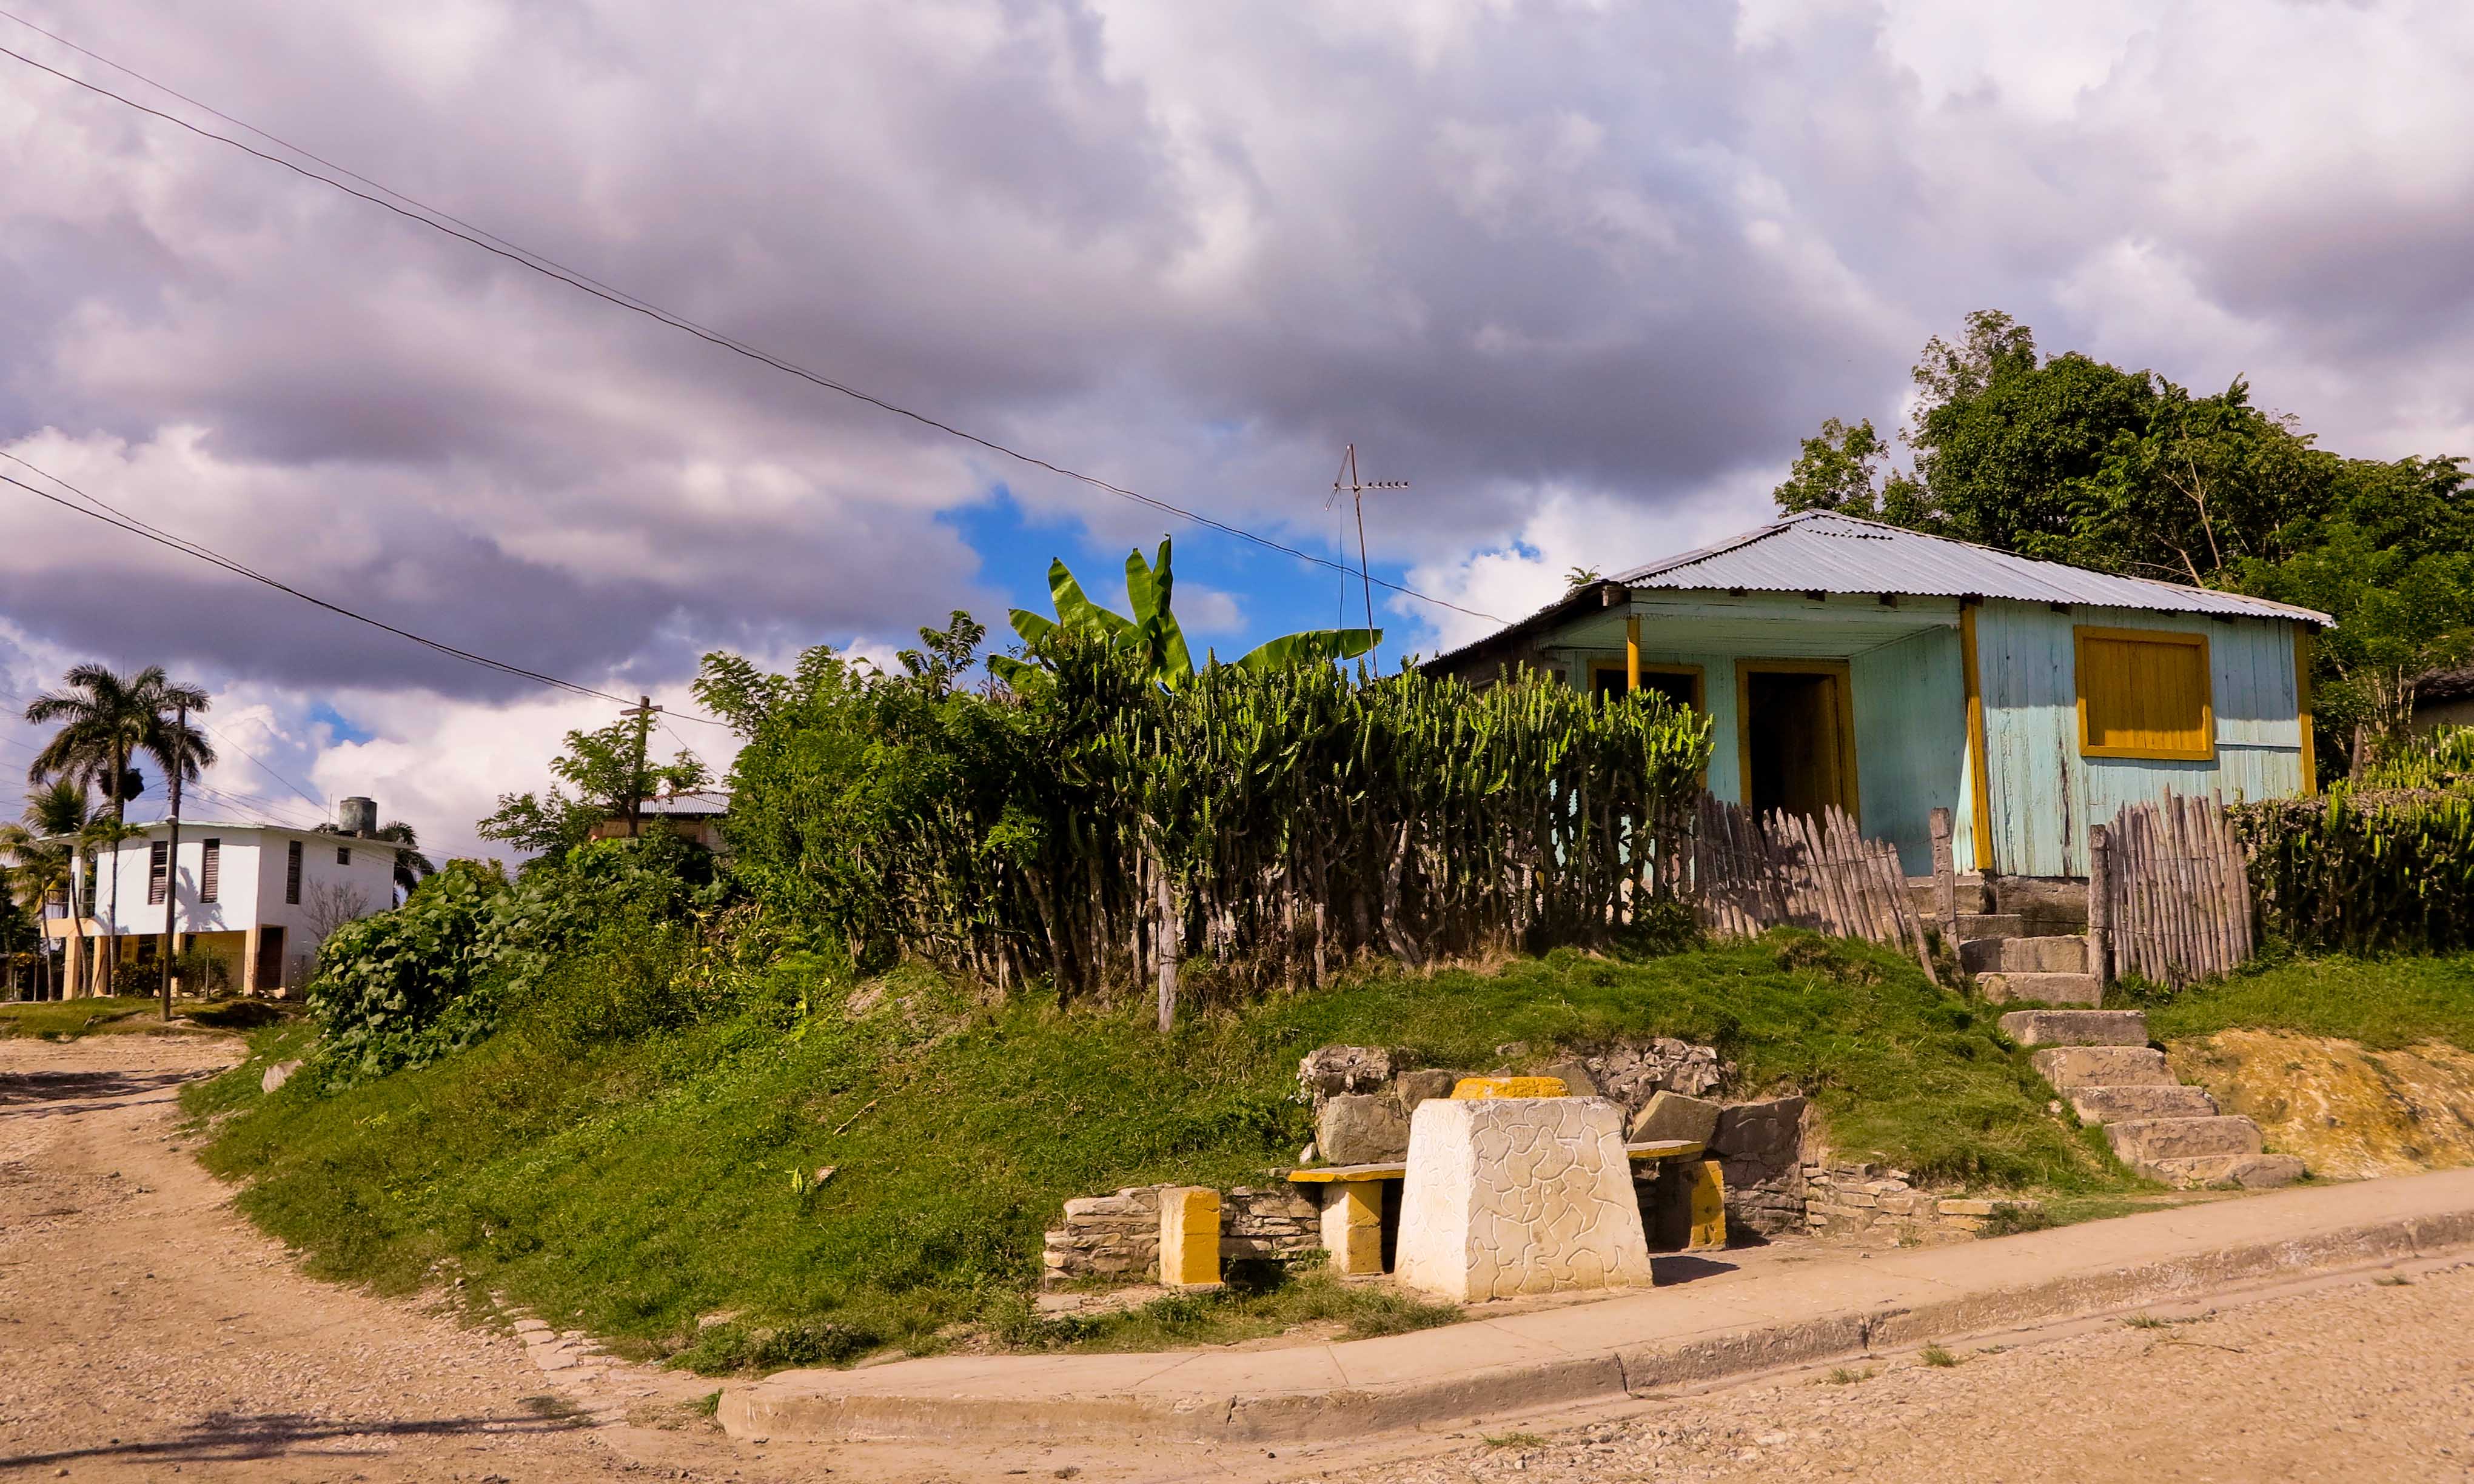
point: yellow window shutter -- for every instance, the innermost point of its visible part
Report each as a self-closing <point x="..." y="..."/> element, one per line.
<point x="2144" y="693"/>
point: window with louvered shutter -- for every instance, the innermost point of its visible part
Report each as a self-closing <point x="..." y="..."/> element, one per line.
<point x="292" y="874"/>
<point x="157" y="870"/>
<point x="2144" y="693"/>
<point x="210" y="870"/>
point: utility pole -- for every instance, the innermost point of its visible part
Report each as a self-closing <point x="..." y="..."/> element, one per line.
<point x="172" y="851"/>
<point x="1347" y="483"/>
<point x="642" y="712"/>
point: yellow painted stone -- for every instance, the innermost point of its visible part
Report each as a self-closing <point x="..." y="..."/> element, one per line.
<point x="1189" y="1237"/>
<point x="1352" y="1226"/>
<point x="1708" y="1206"/>
<point x="1509" y="1087"/>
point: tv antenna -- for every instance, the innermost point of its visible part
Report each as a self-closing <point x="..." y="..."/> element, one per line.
<point x="1347" y="483"/>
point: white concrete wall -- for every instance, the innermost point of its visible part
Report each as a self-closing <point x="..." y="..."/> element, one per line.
<point x="252" y="878"/>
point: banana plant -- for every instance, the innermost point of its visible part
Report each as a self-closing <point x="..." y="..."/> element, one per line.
<point x="1154" y="632"/>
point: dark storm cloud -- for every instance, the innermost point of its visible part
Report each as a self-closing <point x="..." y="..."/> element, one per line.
<point x="1630" y="251"/>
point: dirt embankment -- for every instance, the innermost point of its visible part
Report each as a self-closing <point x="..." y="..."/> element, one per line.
<point x="2350" y="1113"/>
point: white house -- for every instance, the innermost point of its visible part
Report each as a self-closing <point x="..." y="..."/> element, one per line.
<point x="258" y="896"/>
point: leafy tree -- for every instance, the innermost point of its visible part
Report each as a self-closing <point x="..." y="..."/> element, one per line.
<point x="45" y="850"/>
<point x="105" y="719"/>
<point x="609" y="772"/>
<point x="1154" y="632"/>
<point x="2068" y="458"/>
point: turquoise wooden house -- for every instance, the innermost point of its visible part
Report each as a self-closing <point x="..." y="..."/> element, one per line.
<point x="1891" y="673"/>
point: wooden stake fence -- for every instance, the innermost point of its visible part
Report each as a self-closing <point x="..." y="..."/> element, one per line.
<point x="2175" y="886"/>
<point x="1749" y="874"/>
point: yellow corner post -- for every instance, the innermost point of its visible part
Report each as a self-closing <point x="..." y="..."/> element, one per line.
<point x="1189" y="1237"/>
<point x="1979" y="801"/>
<point x="1631" y="653"/>
<point x="1708" y="1206"/>
<point x="1352" y="1226"/>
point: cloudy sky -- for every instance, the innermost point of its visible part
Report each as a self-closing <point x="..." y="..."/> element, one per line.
<point x="1583" y="273"/>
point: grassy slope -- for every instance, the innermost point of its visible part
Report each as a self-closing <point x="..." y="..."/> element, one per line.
<point x="2382" y="1003"/>
<point x="632" y="1187"/>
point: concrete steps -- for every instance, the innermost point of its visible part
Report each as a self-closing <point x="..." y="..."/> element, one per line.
<point x="2040" y="989"/>
<point x="2077" y="1027"/>
<point x="1988" y="924"/>
<point x="2144" y="1100"/>
<point x="2102" y="1066"/>
<point x="2099" y="1061"/>
<point x="2250" y="1171"/>
<point x="2023" y="955"/>
<point x="2142" y="1140"/>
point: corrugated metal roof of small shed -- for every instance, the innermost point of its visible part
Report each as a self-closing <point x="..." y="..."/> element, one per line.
<point x="1822" y="551"/>
<point x="1819" y="551"/>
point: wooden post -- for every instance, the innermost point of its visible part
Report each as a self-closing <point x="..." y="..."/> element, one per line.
<point x="1945" y="866"/>
<point x="1631" y="653"/>
<point x="2099" y="918"/>
<point x="1979" y="794"/>
<point x="1170" y="946"/>
<point x="172" y="855"/>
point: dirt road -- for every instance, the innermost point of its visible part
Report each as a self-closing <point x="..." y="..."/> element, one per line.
<point x="148" y="1332"/>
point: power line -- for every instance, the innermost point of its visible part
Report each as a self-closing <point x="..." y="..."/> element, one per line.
<point x="316" y="803"/>
<point x="217" y="559"/>
<point x="548" y="267"/>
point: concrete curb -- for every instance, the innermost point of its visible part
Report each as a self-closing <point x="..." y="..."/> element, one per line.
<point x="1619" y="1347"/>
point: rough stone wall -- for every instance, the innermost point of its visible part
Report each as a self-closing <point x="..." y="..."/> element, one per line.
<point x="1107" y="1236"/>
<point x="1118" y="1236"/>
<point x="1277" y="1222"/>
<point x="1875" y="1205"/>
<point x="1759" y="1148"/>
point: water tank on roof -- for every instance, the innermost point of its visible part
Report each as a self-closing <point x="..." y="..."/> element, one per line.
<point x="359" y="816"/>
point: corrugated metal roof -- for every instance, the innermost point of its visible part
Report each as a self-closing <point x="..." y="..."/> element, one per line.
<point x="1820" y="551"/>
<point x="1817" y="551"/>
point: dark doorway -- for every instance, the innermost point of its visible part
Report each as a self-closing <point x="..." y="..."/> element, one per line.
<point x="1680" y="688"/>
<point x="1796" y="743"/>
<point x="269" y="977"/>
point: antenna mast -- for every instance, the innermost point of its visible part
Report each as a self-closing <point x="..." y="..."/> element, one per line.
<point x="1347" y="483"/>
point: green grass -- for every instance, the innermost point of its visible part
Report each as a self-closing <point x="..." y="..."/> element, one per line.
<point x="2383" y="1003"/>
<point x="67" y="1019"/>
<point x="629" y="1188"/>
<point x="1937" y="1358"/>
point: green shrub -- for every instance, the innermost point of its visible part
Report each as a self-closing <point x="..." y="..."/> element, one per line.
<point x="2364" y="872"/>
<point x="403" y="988"/>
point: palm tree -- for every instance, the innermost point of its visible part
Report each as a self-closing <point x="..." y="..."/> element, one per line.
<point x="411" y="867"/>
<point x="105" y="719"/>
<point x="45" y="851"/>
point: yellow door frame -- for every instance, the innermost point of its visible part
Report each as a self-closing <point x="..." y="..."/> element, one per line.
<point x="1979" y="801"/>
<point x="1844" y="692"/>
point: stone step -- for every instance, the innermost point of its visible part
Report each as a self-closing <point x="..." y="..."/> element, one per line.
<point x="1990" y="924"/>
<point x="2069" y="1067"/>
<point x="2140" y="1100"/>
<point x="2009" y="988"/>
<point x="2250" y="1171"/>
<point x="1973" y="896"/>
<point x="2077" y="1027"/>
<point x="2024" y="955"/>
<point x="2137" y="1139"/>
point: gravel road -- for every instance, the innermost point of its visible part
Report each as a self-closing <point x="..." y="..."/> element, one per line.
<point x="2359" y="1382"/>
